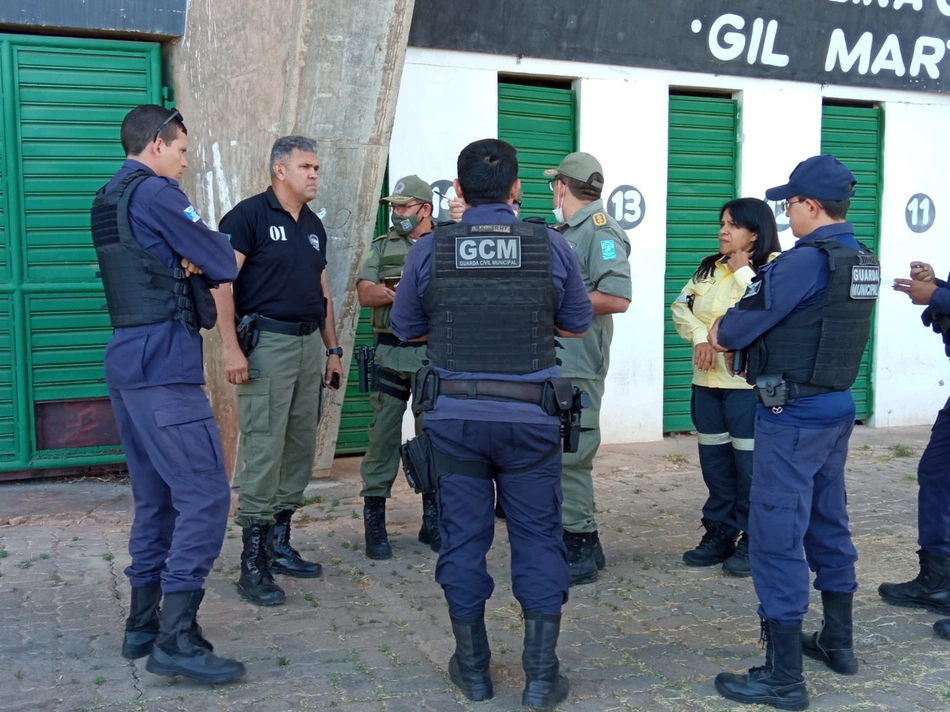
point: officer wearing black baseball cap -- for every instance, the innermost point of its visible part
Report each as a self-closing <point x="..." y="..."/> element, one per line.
<point x="803" y="322"/>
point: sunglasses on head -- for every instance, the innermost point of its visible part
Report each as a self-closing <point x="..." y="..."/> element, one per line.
<point x="171" y="117"/>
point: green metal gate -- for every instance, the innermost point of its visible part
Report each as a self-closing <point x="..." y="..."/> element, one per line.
<point x="703" y="156"/>
<point x="353" y="436"/>
<point x="63" y="103"/>
<point x="854" y="134"/>
<point x="541" y="122"/>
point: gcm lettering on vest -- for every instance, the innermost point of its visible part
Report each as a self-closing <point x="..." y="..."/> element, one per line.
<point x="487" y="252"/>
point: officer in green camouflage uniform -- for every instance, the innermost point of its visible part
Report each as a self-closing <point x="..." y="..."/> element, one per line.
<point x="395" y="365"/>
<point x="602" y="248"/>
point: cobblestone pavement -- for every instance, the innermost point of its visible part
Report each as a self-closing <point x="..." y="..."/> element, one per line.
<point x="649" y="635"/>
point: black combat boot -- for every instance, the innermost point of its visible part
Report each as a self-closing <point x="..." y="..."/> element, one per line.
<point x="717" y="545"/>
<point x="374" y="528"/>
<point x="738" y="563"/>
<point x="833" y="644"/>
<point x="779" y="682"/>
<point x="257" y="582"/>
<point x="600" y="561"/>
<point x="544" y="685"/>
<point x="197" y="635"/>
<point x="468" y="666"/>
<point x="141" y="627"/>
<point x="175" y="651"/>
<point x="429" y="534"/>
<point x="284" y="558"/>
<point x="580" y="557"/>
<point x="930" y="590"/>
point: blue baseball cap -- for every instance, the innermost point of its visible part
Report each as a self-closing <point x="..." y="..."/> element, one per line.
<point x="821" y="177"/>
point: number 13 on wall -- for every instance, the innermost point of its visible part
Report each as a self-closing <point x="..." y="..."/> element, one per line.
<point x="627" y="206"/>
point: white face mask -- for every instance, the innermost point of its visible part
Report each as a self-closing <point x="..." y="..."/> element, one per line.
<point x="558" y="214"/>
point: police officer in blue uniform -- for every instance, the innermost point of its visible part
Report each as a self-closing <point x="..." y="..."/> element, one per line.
<point x="931" y="587"/>
<point x="157" y="260"/>
<point x="803" y="322"/>
<point x="489" y="294"/>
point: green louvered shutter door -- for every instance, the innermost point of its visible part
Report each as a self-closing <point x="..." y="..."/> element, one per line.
<point x="541" y="123"/>
<point x="8" y="445"/>
<point x="352" y="438"/>
<point x="66" y="99"/>
<point x="854" y="134"/>
<point x="703" y="152"/>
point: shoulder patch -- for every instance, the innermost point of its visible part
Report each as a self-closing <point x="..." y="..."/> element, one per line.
<point x="608" y="250"/>
<point x="752" y="290"/>
<point x="370" y="253"/>
<point x="600" y="219"/>
<point x="192" y="214"/>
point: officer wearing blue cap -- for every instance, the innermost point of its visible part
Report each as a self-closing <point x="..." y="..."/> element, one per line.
<point x="157" y="260"/>
<point x="930" y="589"/>
<point x="803" y="322"/>
<point x="489" y="294"/>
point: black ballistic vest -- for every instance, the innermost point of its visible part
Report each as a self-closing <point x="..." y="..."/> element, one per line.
<point x="822" y="345"/>
<point x="139" y="288"/>
<point x="491" y="299"/>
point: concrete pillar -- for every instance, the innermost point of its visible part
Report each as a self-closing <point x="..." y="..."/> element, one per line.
<point x="247" y="72"/>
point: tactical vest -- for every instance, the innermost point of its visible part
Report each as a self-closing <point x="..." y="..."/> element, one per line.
<point x="139" y="288"/>
<point x="821" y="346"/>
<point x="393" y="249"/>
<point x="491" y="299"/>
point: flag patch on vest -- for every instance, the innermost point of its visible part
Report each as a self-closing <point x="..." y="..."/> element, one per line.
<point x="487" y="252"/>
<point x="865" y="282"/>
<point x="192" y="214"/>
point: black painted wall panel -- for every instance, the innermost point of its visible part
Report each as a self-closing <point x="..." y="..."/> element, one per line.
<point x="781" y="39"/>
<point x="165" y="18"/>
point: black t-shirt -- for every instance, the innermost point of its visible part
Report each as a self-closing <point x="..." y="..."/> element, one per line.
<point x="284" y="259"/>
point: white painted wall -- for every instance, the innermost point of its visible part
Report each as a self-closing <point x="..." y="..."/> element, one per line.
<point x="624" y="123"/>
<point x="431" y="129"/>
<point x="780" y="124"/>
<point x="448" y="99"/>
<point x="910" y="368"/>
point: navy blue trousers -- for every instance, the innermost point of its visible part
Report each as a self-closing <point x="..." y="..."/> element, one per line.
<point x="532" y="504"/>
<point x="798" y="501"/>
<point x="181" y="493"/>
<point x="725" y="425"/>
<point x="933" y="498"/>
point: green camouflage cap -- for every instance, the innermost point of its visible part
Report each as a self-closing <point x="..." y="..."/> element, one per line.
<point x="579" y="166"/>
<point x="409" y="189"/>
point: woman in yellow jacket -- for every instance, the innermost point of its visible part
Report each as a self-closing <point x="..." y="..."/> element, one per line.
<point x="723" y="406"/>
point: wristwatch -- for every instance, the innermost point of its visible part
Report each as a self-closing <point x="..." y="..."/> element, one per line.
<point x="335" y="351"/>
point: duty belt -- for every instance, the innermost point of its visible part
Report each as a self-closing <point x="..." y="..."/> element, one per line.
<point x="504" y="390"/>
<point x="290" y="328"/>
<point x="794" y="391"/>
<point x="384" y="339"/>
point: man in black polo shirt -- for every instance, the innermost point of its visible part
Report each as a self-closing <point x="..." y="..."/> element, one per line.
<point x="280" y="246"/>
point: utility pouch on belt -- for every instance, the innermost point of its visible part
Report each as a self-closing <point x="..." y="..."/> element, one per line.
<point x="248" y="333"/>
<point x="425" y="390"/>
<point x="365" y="358"/>
<point x="557" y="396"/>
<point x="205" y="308"/>
<point x="772" y="390"/>
<point x="418" y="462"/>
